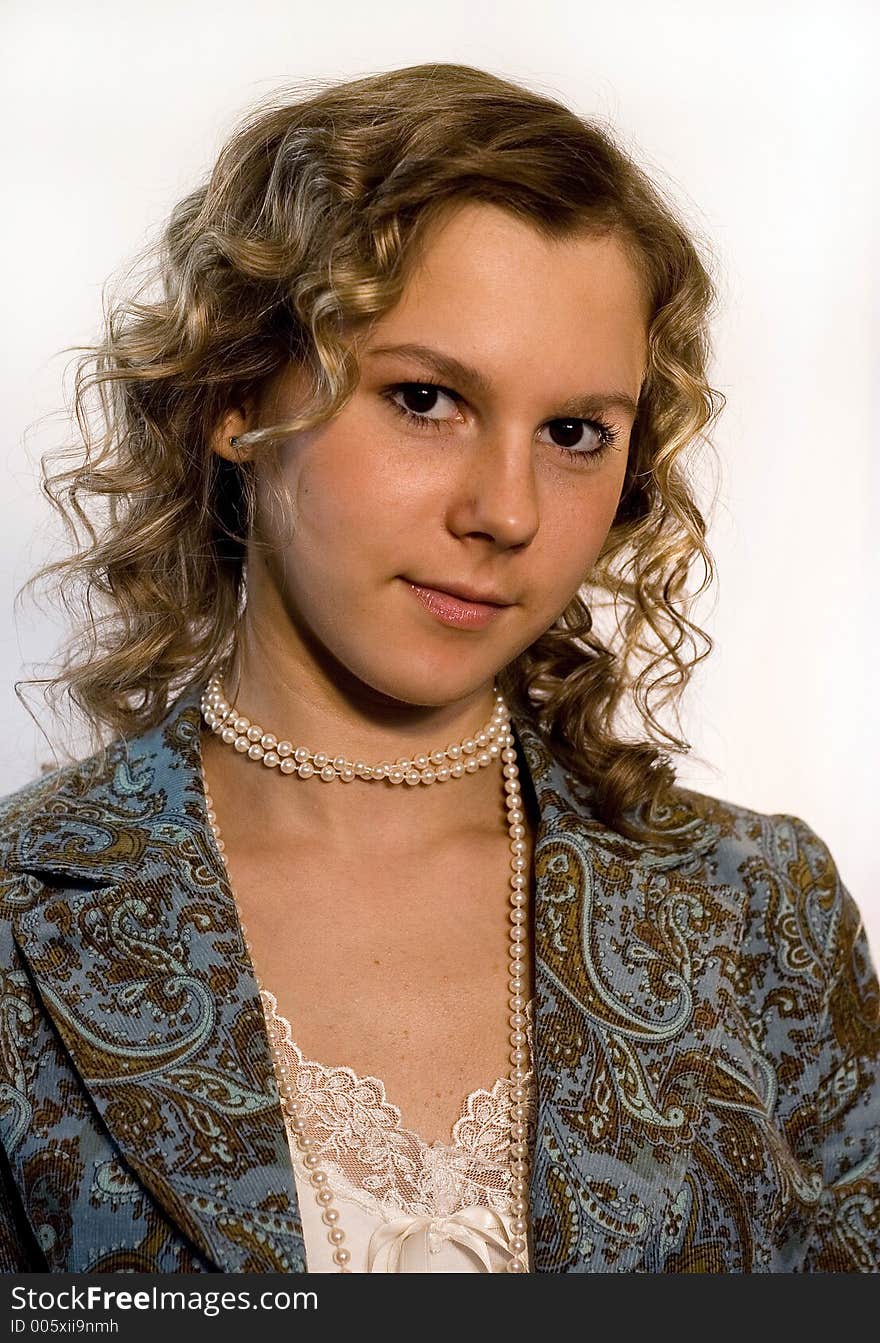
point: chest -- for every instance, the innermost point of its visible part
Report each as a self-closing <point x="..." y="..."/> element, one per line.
<point x="398" y="971"/>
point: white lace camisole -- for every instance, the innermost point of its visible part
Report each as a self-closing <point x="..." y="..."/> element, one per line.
<point x="406" y="1206"/>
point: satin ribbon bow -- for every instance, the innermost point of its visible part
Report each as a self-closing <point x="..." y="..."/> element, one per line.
<point x="473" y="1227"/>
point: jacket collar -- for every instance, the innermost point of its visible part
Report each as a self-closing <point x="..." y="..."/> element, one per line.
<point x="131" y="932"/>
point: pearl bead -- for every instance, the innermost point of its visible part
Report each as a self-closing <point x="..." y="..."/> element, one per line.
<point x="285" y="748"/>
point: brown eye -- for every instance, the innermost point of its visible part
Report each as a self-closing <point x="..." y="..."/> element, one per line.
<point x="567" y="433"/>
<point x="420" y="399"/>
<point x="582" y="438"/>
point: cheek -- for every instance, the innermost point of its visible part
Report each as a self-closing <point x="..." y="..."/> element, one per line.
<point x="575" y="526"/>
<point x="333" y="490"/>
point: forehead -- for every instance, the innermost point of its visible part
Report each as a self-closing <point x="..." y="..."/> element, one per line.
<point x="488" y="286"/>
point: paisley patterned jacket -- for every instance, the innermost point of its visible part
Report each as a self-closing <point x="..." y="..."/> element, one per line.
<point x="706" y="1038"/>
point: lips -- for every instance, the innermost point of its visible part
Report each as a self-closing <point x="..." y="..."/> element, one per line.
<point x="450" y="609"/>
<point x="464" y="594"/>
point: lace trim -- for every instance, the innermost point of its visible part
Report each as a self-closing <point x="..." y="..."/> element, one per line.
<point x="375" y="1160"/>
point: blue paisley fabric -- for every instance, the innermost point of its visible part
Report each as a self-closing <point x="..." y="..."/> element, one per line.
<point x="706" y="1038"/>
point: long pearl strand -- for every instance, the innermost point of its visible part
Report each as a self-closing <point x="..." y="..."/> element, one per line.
<point x="496" y="739"/>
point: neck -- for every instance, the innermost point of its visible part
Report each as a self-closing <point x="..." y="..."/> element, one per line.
<point x="324" y="716"/>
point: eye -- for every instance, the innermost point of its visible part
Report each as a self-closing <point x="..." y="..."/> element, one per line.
<point x="423" y="400"/>
<point x="582" y="438"/>
<point x="584" y="441"/>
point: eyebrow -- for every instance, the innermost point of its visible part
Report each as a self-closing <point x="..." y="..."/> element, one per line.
<point x="472" y="380"/>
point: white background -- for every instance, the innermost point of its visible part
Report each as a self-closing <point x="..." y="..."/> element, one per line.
<point x="760" y="119"/>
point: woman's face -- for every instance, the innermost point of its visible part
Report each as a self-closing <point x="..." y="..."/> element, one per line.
<point x="501" y="480"/>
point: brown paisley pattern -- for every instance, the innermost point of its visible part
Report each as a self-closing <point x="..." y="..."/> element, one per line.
<point x="706" y="1038"/>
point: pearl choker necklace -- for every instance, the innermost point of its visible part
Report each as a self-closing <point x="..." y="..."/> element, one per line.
<point x="496" y="739"/>
<point x="248" y="738"/>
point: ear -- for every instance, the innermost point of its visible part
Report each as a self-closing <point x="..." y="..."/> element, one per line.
<point x="234" y="421"/>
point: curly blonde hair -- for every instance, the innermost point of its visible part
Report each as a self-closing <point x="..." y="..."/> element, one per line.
<point x="304" y="232"/>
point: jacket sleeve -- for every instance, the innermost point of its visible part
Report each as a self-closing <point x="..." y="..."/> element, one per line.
<point x="846" y="1234"/>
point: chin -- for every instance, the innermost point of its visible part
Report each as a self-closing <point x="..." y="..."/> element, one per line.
<point x="427" y="683"/>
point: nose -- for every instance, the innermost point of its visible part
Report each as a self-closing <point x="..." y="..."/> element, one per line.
<point x="496" y="495"/>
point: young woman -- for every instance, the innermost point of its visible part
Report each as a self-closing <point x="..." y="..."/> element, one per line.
<point x="371" y="940"/>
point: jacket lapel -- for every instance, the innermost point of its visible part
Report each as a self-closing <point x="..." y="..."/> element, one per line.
<point x="134" y="941"/>
<point x="632" y="950"/>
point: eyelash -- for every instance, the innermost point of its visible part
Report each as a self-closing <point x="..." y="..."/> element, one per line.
<point x="607" y="433"/>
